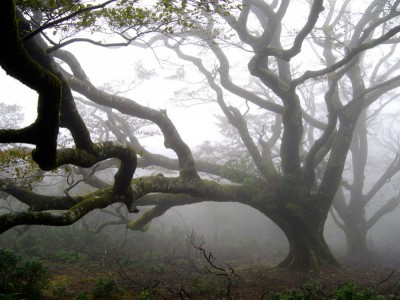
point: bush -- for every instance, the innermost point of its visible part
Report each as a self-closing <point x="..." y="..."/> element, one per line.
<point x="347" y="292"/>
<point x="21" y="276"/>
<point x="107" y="288"/>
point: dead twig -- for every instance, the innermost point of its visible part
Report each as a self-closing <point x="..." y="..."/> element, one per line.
<point x="228" y="272"/>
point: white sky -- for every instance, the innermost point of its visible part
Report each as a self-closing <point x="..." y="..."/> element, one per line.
<point x="13" y="92"/>
<point x="195" y="123"/>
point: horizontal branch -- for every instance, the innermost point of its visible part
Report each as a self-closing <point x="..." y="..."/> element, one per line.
<point x="80" y="83"/>
<point x="62" y="211"/>
<point x="99" y="199"/>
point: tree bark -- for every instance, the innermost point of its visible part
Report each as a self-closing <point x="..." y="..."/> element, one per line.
<point x="356" y="238"/>
<point x="307" y="246"/>
<point x="301" y="215"/>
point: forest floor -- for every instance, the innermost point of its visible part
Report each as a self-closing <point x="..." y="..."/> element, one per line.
<point x="181" y="278"/>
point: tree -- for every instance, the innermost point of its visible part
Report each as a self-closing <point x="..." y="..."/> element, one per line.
<point x="294" y="186"/>
<point x="352" y="199"/>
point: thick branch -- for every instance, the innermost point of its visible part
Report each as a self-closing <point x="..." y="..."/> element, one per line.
<point x="90" y="202"/>
<point x="286" y="55"/>
<point x="312" y="158"/>
<point x="389" y="206"/>
<point x="392" y="170"/>
<point x="16" y="62"/>
<point x="81" y="84"/>
<point x="234" y="117"/>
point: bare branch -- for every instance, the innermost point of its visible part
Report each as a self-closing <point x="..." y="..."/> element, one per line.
<point x="388" y="207"/>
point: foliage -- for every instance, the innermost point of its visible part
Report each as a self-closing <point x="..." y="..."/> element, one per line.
<point x="67" y="256"/>
<point x="82" y="296"/>
<point x="348" y="291"/>
<point x="144" y="295"/>
<point x="19" y="275"/>
<point x="16" y="163"/>
<point x="11" y="115"/>
<point x="160" y="274"/>
<point x="294" y="294"/>
<point x="59" y="287"/>
<point x="15" y="159"/>
<point x="107" y="288"/>
<point x="69" y="17"/>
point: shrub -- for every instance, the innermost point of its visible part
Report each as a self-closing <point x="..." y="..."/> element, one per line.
<point x="19" y="275"/>
<point x="107" y="288"/>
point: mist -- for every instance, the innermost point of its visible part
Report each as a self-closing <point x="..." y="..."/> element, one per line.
<point x="199" y="149"/>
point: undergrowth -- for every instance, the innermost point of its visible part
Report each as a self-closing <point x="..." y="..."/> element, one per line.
<point x="348" y="291"/>
<point x="20" y="277"/>
<point x="188" y="271"/>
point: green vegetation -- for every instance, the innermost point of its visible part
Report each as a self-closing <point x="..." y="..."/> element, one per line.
<point x="20" y="277"/>
<point x="347" y="292"/>
<point x="140" y="278"/>
<point x="107" y="288"/>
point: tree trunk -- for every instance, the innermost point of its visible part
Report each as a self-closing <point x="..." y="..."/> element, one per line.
<point x="356" y="238"/>
<point x="304" y="230"/>
<point x="307" y="249"/>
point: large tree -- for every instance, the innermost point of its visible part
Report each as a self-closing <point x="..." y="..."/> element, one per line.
<point x="298" y="160"/>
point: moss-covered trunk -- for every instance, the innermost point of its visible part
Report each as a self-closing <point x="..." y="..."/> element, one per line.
<point x="307" y="246"/>
<point x="301" y="216"/>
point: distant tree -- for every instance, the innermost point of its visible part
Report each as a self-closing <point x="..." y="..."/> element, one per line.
<point x="12" y="115"/>
<point x="328" y="48"/>
<point x="354" y="195"/>
<point x="15" y="160"/>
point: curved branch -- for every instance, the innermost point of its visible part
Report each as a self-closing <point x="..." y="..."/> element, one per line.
<point x="389" y="206"/>
<point x="15" y="60"/>
<point x="163" y="202"/>
<point x="336" y="220"/>
<point x="312" y="158"/>
<point x="80" y="83"/>
<point x="144" y="220"/>
<point x="233" y="115"/>
<point x="37" y="202"/>
<point x="316" y="9"/>
<point x="391" y="170"/>
<point x="341" y="207"/>
<point x="90" y="202"/>
<point x="140" y="187"/>
<point x="350" y="55"/>
<point x="148" y="158"/>
<point x="82" y="158"/>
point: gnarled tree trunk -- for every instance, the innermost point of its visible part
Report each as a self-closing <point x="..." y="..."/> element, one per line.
<point x="307" y="246"/>
<point x="301" y="215"/>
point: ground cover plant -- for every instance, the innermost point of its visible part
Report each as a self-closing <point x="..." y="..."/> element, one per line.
<point x="105" y="270"/>
<point x="21" y="277"/>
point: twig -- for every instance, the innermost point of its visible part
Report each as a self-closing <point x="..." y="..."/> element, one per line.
<point x="228" y="273"/>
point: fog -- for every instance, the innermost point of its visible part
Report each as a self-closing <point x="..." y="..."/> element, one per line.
<point x="165" y="138"/>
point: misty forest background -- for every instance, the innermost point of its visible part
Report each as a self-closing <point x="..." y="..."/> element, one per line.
<point x="199" y="149"/>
